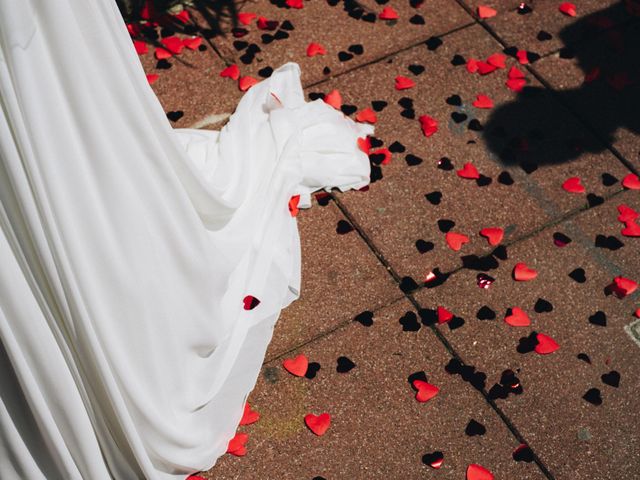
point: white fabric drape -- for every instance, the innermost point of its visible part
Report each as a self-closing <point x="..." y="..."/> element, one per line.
<point x="127" y="247"/>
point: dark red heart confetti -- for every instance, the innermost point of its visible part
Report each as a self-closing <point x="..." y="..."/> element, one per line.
<point x="250" y="302"/>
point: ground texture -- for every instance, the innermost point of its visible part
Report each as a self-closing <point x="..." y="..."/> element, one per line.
<point x="529" y="334"/>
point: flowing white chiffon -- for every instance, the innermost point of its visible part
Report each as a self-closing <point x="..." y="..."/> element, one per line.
<point x="127" y="248"/>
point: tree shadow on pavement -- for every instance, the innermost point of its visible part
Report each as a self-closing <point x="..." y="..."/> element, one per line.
<point x="536" y="129"/>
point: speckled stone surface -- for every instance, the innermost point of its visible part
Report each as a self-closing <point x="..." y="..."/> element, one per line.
<point x="610" y="108"/>
<point x="340" y="278"/>
<point x="378" y="430"/>
<point x="523" y="30"/>
<point x="395" y="214"/>
<point x="574" y="438"/>
<point x="336" y="30"/>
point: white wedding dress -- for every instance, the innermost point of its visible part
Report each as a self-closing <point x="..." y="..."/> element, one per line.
<point x="127" y="248"/>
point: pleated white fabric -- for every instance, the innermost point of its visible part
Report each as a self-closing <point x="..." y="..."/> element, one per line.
<point x="127" y="247"/>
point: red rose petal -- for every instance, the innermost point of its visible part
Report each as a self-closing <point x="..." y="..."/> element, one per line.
<point x="456" y="240"/>
<point x="245" y="83"/>
<point x="486" y="12"/>
<point x="237" y="445"/>
<point x="232" y="71"/>
<point x="493" y="234"/>
<point x="573" y="185"/>
<point x="249" y="416"/>
<point x="518" y="318"/>
<point x="293" y="205"/>
<point x="296" y="366"/>
<point x="334" y="99"/>
<point x="522" y="273"/>
<point x="250" y="302"/>
<point x="366" y="115"/>
<point x="428" y="124"/>
<point x="403" y="83"/>
<point x="388" y="13"/>
<point x="318" y="424"/>
<point x="469" y="171"/>
<point x="444" y="315"/>
<point x="568" y="9"/>
<point x="482" y="101"/>
<point x="245" y="18"/>
<point x="425" y="391"/>
<point x="478" y="472"/>
<point x="546" y="344"/>
<point x="314" y="49"/>
<point x="631" y="181"/>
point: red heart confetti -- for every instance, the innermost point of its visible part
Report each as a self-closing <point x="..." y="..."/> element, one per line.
<point x="494" y="235"/>
<point x="245" y="18"/>
<point x="385" y="152"/>
<point x="627" y="213"/>
<point x="444" y="315"/>
<point x="425" y="390"/>
<point x="245" y="83"/>
<point x="264" y="24"/>
<point x="388" y="13"/>
<point x="573" y="185"/>
<point x="237" y="445"/>
<point x="232" y="71"/>
<point x="141" y="47"/>
<point x="456" y="240"/>
<point x="498" y="60"/>
<point x="318" y="424"/>
<point x="631" y="229"/>
<point x="621" y="286"/>
<point x="485" y="68"/>
<point x="404" y="83"/>
<point x="522" y="273"/>
<point x="546" y="344"/>
<point x="314" y="49"/>
<point x="367" y="115"/>
<point x="516" y="79"/>
<point x="468" y="171"/>
<point x="482" y="101"/>
<point x="172" y="44"/>
<point x="472" y="65"/>
<point x="294" y="4"/>
<point x="364" y="144"/>
<point x="518" y="318"/>
<point x="162" y="54"/>
<point x="486" y="12"/>
<point x="296" y="366"/>
<point x="523" y="57"/>
<point x="249" y="416"/>
<point x="568" y="9"/>
<point x="192" y="43"/>
<point x="334" y="99"/>
<point x="478" y="472"/>
<point x="631" y="181"/>
<point x="152" y="78"/>
<point x="293" y="205"/>
<point x="250" y="302"/>
<point x="428" y="124"/>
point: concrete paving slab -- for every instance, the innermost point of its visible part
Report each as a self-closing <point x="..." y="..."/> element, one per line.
<point x="378" y="430"/>
<point x="348" y="41"/>
<point x="192" y="85"/>
<point x="601" y="81"/>
<point x="395" y="212"/>
<point x="576" y="419"/>
<point x="340" y="279"/>
<point x="540" y="27"/>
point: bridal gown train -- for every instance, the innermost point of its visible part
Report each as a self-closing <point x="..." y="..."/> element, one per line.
<point x="127" y="248"/>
